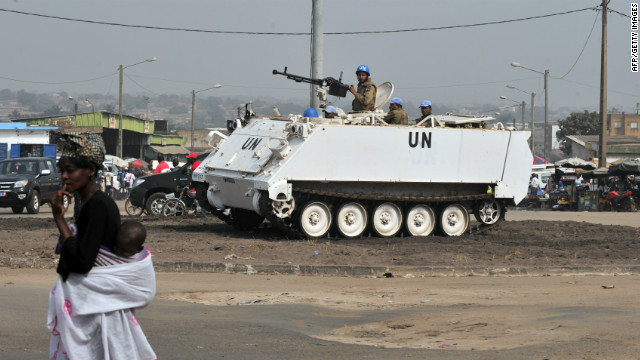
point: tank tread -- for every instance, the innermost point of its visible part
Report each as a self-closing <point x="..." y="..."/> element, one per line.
<point x="439" y="198"/>
<point x="304" y="195"/>
<point x="484" y="227"/>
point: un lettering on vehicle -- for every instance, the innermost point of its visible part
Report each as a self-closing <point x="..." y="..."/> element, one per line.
<point x="419" y="141"/>
<point x="251" y="143"/>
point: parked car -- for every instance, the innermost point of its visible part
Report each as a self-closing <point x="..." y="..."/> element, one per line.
<point x="28" y="182"/>
<point x="148" y="192"/>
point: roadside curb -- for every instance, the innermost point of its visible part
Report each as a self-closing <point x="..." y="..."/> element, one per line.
<point x="345" y="270"/>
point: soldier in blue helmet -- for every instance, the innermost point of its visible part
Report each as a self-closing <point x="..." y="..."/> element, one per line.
<point x="365" y="96"/>
<point x="396" y="114"/>
<point x="425" y="109"/>
<point x="330" y="112"/>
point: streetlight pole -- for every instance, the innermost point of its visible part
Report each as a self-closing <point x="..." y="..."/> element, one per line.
<point x="523" y="104"/>
<point x="121" y="70"/>
<point x="532" y="120"/>
<point x="146" y="100"/>
<point x="546" y="105"/>
<point x="75" y="107"/>
<point x="93" y="109"/>
<point x="193" y="108"/>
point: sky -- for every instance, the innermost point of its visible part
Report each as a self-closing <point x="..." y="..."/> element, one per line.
<point x="462" y="65"/>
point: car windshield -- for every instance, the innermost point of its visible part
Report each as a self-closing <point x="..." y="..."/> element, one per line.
<point x="18" y="167"/>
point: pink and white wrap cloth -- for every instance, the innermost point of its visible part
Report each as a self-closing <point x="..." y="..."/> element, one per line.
<point x="91" y="315"/>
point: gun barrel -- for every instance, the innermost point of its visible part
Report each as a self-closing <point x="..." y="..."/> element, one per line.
<point x="298" y="78"/>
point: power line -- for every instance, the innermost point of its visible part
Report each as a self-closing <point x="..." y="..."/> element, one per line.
<point x="468" y="84"/>
<point x="293" y="33"/>
<point x="225" y="85"/>
<point x="618" y="12"/>
<point x="135" y="82"/>
<point x="583" y="47"/>
<point x="55" y="83"/>
<point x="598" y="87"/>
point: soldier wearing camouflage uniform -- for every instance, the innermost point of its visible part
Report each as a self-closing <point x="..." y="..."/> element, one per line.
<point x="425" y="109"/>
<point x="365" y="96"/>
<point x="396" y="114"/>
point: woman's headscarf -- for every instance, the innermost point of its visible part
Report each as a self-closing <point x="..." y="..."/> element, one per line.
<point x="86" y="146"/>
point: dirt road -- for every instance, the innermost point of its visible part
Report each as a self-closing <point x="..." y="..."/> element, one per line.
<point x="489" y="317"/>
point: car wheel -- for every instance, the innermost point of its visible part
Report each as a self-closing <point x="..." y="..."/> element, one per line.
<point x="17" y="209"/>
<point x="155" y="203"/>
<point x="131" y="209"/>
<point x="33" y="205"/>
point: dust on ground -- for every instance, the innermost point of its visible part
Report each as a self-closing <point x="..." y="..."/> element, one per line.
<point x="464" y="313"/>
<point x="205" y="239"/>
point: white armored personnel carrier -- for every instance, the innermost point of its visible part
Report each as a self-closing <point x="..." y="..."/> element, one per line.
<point x="355" y="174"/>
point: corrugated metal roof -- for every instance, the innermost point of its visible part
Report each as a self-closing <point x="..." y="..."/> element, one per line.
<point x="170" y="149"/>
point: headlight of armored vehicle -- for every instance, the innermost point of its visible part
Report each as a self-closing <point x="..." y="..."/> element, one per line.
<point x="137" y="182"/>
<point x="21" y="183"/>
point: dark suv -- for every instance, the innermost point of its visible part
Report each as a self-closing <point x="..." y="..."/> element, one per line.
<point x="149" y="191"/>
<point x="28" y="182"/>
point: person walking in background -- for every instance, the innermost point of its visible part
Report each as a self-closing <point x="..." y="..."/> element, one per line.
<point x="192" y="159"/>
<point x="162" y="165"/>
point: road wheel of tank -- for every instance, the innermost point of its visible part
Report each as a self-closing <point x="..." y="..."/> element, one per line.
<point x="351" y="220"/>
<point x="421" y="220"/>
<point x="244" y="219"/>
<point x="454" y="220"/>
<point x="155" y="203"/>
<point x="488" y="212"/>
<point x="387" y="219"/>
<point x="17" y="209"/>
<point x="33" y="205"/>
<point x="131" y="209"/>
<point x="315" y="219"/>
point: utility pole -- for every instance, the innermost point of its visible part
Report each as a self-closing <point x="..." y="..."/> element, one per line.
<point x="602" y="160"/>
<point x="546" y="116"/>
<point x="316" y="49"/>
<point x="532" y="124"/>
<point x="119" y="149"/>
<point x="523" y="111"/>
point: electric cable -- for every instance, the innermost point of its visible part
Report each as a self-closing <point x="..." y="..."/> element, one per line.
<point x="293" y="33"/>
<point x="583" y="47"/>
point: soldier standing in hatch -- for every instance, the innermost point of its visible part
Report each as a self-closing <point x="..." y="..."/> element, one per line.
<point x="396" y="114"/>
<point x="425" y="109"/>
<point x="365" y="96"/>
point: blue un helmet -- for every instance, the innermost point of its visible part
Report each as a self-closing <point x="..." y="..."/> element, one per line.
<point x="425" y="103"/>
<point x="363" y="68"/>
<point x="396" y="101"/>
<point x="330" y="110"/>
<point x="311" y="113"/>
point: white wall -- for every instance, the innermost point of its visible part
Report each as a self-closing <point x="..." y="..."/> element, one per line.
<point x="23" y="136"/>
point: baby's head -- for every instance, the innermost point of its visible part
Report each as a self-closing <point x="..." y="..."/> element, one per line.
<point x="129" y="239"/>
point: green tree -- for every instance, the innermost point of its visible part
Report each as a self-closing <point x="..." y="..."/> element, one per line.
<point x="584" y="123"/>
